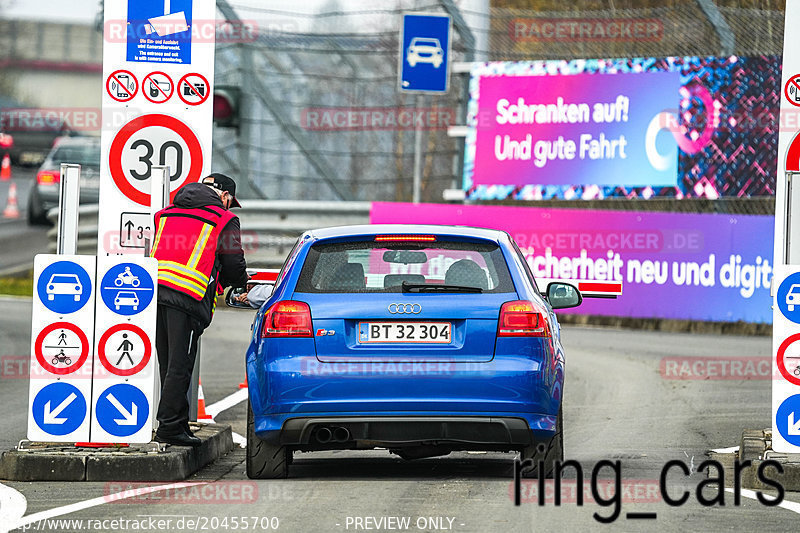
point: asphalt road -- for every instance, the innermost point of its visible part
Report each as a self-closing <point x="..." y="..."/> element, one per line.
<point x="18" y="241"/>
<point x="618" y="406"/>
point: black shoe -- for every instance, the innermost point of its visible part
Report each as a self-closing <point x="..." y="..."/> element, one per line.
<point x="181" y="439"/>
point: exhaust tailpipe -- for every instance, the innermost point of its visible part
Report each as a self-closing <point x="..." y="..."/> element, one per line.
<point x="323" y="435"/>
<point x="341" y="434"/>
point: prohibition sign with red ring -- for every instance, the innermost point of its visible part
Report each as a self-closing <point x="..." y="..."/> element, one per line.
<point x="792" y="90"/>
<point x="43" y="359"/>
<point x="146" y="121"/>
<point x="159" y="95"/>
<point x="118" y="76"/>
<point x="792" y="378"/>
<point x="101" y="349"/>
<point x="193" y="89"/>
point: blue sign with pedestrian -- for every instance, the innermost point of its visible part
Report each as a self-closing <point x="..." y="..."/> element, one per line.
<point x="789" y="297"/>
<point x="59" y="408"/>
<point x="159" y="31"/>
<point x="787" y="419"/>
<point x="122" y="410"/>
<point x="127" y="289"/>
<point x="64" y="287"/>
<point x="425" y="53"/>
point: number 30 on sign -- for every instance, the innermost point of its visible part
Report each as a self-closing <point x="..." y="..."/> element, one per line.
<point x="152" y="140"/>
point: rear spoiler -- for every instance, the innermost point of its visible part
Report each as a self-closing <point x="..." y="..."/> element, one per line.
<point x="588" y="288"/>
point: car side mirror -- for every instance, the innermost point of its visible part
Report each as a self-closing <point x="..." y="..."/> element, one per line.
<point x="230" y="299"/>
<point x="563" y="295"/>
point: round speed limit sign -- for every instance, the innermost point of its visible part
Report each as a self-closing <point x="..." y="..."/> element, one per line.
<point x="154" y="140"/>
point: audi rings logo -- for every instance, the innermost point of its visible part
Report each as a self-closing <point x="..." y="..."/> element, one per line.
<point x="405" y="309"/>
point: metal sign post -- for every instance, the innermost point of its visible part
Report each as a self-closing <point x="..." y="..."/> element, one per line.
<point x="424" y="69"/>
<point x="68" y="202"/>
<point x="785" y="288"/>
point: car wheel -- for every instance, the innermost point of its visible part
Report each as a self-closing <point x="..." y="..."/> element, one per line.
<point x="790" y="307"/>
<point x="37" y="216"/>
<point x="553" y="452"/>
<point x="264" y="460"/>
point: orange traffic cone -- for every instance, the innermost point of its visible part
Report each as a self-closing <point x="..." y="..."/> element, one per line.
<point x="11" y="210"/>
<point x="201" y="404"/>
<point x="243" y="384"/>
<point x="5" y="168"/>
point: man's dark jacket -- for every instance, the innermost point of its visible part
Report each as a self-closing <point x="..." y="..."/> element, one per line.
<point x="229" y="267"/>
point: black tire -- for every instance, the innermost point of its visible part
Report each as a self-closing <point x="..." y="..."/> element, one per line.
<point x="37" y="216"/>
<point x="550" y="452"/>
<point x="264" y="460"/>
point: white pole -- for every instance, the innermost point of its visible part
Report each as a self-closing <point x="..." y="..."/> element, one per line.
<point x="68" y="202"/>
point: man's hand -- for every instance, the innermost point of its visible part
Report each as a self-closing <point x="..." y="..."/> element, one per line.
<point x="242" y="298"/>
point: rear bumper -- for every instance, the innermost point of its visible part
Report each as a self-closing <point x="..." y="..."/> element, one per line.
<point x="513" y="432"/>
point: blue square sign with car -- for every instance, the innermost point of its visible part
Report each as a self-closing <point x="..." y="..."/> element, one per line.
<point x="444" y="344"/>
<point x="425" y="53"/>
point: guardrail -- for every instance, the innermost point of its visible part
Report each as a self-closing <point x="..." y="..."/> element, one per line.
<point x="269" y="227"/>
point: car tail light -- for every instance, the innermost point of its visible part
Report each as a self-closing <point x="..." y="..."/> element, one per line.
<point x="405" y="238"/>
<point x="48" y="177"/>
<point x="287" y="319"/>
<point x="521" y="318"/>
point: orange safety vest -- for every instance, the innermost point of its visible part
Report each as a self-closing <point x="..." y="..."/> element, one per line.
<point x="186" y="247"/>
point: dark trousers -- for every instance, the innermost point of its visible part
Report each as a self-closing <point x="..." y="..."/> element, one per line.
<point x="176" y="344"/>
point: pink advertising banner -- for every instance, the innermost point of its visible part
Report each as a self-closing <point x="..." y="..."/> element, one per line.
<point x="672" y="265"/>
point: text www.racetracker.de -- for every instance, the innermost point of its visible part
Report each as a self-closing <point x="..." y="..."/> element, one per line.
<point x="158" y="523"/>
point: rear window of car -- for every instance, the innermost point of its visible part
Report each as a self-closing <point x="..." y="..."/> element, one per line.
<point x="379" y="267"/>
<point x="87" y="155"/>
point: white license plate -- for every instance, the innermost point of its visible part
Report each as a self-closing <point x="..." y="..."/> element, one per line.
<point x="404" y="332"/>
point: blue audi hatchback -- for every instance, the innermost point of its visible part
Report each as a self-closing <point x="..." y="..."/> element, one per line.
<point x="419" y="339"/>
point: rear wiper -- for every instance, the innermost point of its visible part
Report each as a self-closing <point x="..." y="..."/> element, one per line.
<point x="425" y="287"/>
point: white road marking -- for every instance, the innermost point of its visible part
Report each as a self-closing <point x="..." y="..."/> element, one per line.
<point x="792" y="506"/>
<point x="732" y="449"/>
<point x="226" y="403"/>
<point x="12" y="506"/>
<point x="238" y="439"/>
<point x="94" y="502"/>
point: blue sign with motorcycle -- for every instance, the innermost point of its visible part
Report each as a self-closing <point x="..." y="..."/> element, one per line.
<point x="64" y="287"/>
<point x="122" y="410"/>
<point x="788" y="297"/>
<point x="59" y="408"/>
<point x="127" y="289"/>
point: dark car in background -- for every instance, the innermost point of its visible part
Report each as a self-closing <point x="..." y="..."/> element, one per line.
<point x="33" y="130"/>
<point x="84" y="151"/>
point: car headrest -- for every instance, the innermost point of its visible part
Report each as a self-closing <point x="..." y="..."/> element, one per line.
<point x="348" y="277"/>
<point x="468" y="273"/>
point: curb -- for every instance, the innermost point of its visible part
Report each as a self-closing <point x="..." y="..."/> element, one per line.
<point x="756" y="447"/>
<point x="58" y="462"/>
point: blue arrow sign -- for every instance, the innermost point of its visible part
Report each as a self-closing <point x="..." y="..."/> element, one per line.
<point x="59" y="408"/>
<point x="425" y="53"/>
<point x="64" y="287"/>
<point x="787" y="419"/>
<point x="126" y="289"/>
<point x="122" y="410"/>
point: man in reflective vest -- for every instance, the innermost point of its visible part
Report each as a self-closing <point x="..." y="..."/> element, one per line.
<point x="199" y="251"/>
